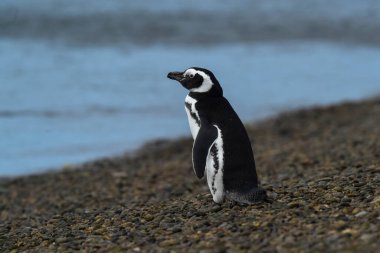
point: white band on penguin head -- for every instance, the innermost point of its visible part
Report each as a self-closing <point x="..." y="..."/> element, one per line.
<point x="206" y="84"/>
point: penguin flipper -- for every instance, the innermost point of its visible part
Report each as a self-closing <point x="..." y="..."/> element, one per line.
<point x="205" y="138"/>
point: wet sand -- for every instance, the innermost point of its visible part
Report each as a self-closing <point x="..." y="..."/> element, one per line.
<point x="320" y="167"/>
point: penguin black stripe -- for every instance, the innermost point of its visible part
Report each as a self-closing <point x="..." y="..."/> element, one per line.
<point x="214" y="152"/>
<point x="193" y="115"/>
<point x="222" y="149"/>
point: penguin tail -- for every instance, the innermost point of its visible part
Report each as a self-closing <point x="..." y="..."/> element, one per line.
<point x="254" y="195"/>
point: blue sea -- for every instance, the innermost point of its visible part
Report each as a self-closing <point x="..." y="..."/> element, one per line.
<point x="80" y="81"/>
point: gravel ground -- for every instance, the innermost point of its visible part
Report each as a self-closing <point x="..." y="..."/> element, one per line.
<point x="321" y="168"/>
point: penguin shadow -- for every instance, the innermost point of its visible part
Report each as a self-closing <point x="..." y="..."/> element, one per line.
<point x="268" y="202"/>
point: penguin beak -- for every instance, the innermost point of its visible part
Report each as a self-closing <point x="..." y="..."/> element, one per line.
<point x="178" y="76"/>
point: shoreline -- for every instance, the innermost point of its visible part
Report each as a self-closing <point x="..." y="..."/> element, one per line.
<point x="320" y="167"/>
<point x="162" y="141"/>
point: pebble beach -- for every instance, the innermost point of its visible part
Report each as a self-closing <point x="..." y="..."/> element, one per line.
<point x="320" y="167"/>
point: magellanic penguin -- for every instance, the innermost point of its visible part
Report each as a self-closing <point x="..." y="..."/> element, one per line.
<point x="221" y="146"/>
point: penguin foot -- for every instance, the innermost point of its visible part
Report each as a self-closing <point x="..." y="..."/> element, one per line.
<point x="253" y="196"/>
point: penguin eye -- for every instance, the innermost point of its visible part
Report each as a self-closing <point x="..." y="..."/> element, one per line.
<point x="191" y="75"/>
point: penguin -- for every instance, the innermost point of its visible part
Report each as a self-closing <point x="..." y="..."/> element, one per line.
<point x="221" y="148"/>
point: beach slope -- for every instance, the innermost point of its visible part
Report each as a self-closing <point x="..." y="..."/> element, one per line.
<point x="320" y="166"/>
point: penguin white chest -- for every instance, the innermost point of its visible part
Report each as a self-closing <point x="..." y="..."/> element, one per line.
<point x="192" y="115"/>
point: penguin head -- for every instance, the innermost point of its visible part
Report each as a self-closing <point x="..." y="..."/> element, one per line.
<point x="198" y="80"/>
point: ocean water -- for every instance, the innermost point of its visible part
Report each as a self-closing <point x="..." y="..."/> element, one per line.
<point x="67" y="98"/>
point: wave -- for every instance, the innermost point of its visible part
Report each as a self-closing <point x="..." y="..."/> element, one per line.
<point x="182" y="27"/>
<point x="85" y="112"/>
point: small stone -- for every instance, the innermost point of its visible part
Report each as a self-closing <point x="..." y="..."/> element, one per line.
<point x="61" y="240"/>
<point x="175" y="229"/>
<point x="119" y="174"/>
<point x="361" y="214"/>
<point x="345" y="199"/>
<point x="326" y="179"/>
<point x="289" y="239"/>
<point x="350" y="231"/>
<point x="168" y="242"/>
<point x="339" y="224"/>
<point x="295" y="204"/>
<point x="355" y="211"/>
<point x="376" y="201"/>
<point x="45" y="243"/>
<point x="367" y="237"/>
<point x="216" y="209"/>
<point x="148" y="217"/>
